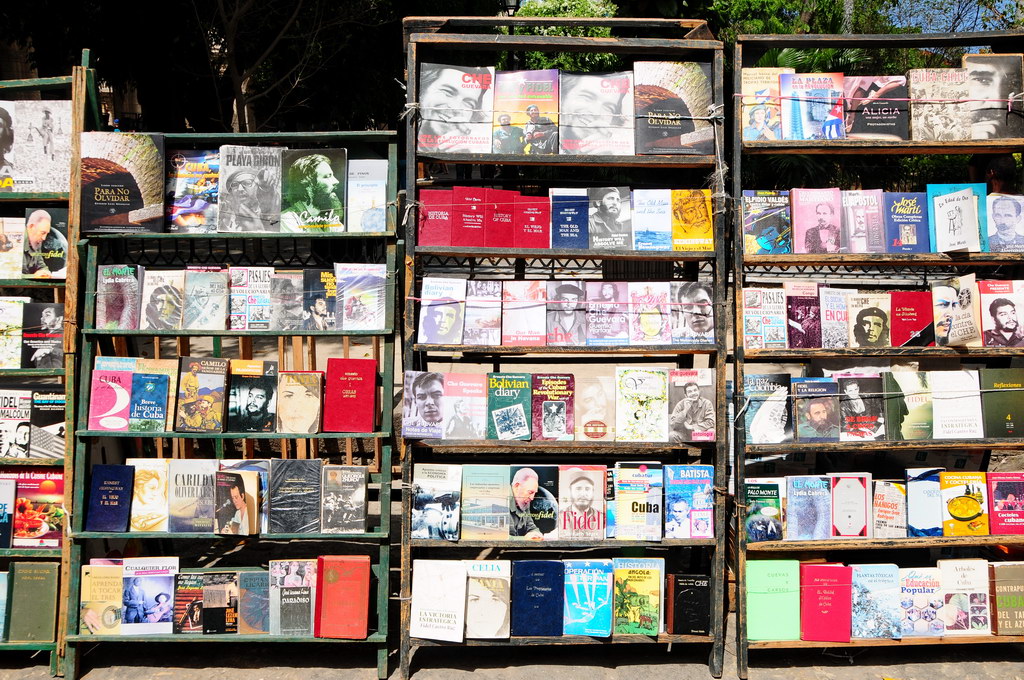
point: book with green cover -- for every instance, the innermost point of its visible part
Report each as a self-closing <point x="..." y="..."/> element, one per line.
<point x="509" y="406"/>
<point x="1002" y="401"/>
<point x="773" y="599"/>
<point x="32" y="602"/>
<point x="908" y="405"/>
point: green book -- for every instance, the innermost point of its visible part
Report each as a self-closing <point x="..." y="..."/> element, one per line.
<point x="509" y="406"/>
<point x="1002" y="401"/>
<point x="32" y="602"/>
<point x="773" y="599"/>
<point x="908" y="405"/>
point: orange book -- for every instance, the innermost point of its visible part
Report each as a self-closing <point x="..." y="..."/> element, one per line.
<point x="342" y="597"/>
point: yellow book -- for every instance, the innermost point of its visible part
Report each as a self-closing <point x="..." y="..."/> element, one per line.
<point x="692" y="220"/>
<point x="964" y="504"/>
<point x="101" y="600"/>
<point x="638" y="601"/>
<point x="761" y="114"/>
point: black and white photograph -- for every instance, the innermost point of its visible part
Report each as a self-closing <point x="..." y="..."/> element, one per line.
<point x="510" y="422"/>
<point x="691" y="402"/>
<point x="42" y="336"/>
<point x="595" y="114"/>
<point x="42" y="145"/>
<point x="455" y="108"/>
<point x="436" y="499"/>
<point x="609" y="220"/>
<point x="423" y="405"/>
<point x="343" y="498"/>
<point x="250" y="189"/>
<point x="566" y="314"/>
<point x="8" y="162"/>
<point x="313" y="193"/>
<point x="286" y="301"/>
<point x="252" y="403"/>
<point x="319" y="300"/>
<point x="1005" y="223"/>
<point x="992" y="79"/>
<point x="693" y="313"/>
<point x="553" y="419"/>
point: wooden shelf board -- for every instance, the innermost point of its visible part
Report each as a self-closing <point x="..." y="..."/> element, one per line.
<point x="227" y="334"/>
<point x="34" y="196"/>
<point x="233" y="435"/>
<point x="562" y="253"/>
<point x="869" y="146"/>
<point x="567" y="640"/>
<point x="163" y="236"/>
<point x="458" y="446"/>
<point x="197" y="637"/>
<point x="905" y="642"/>
<point x="692" y="161"/>
<point x="884" y="352"/>
<point x="31" y="372"/>
<point x="607" y="543"/>
<point x="49" y="462"/>
<point x="884" y="543"/>
<point x="213" y="537"/>
<point x="32" y="283"/>
<point x="884" y="259"/>
<point x="885" y="445"/>
<point x="29" y="646"/>
<point x="30" y="552"/>
<point x="546" y="349"/>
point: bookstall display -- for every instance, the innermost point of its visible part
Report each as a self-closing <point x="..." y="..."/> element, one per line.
<point x="564" y="358"/>
<point x="875" y="327"/>
<point x="237" y="364"/>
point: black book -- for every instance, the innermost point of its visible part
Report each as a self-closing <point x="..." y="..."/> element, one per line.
<point x="296" y="610"/>
<point x="295" y="496"/>
<point x="690" y="604"/>
<point x="110" y="498"/>
<point x="220" y="603"/>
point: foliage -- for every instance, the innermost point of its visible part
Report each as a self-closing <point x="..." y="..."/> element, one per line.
<point x="567" y="61"/>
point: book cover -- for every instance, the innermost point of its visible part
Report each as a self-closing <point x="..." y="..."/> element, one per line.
<point x="566" y="314"/>
<point x="851" y="504"/>
<point x="957" y="312"/>
<point x="188" y="602"/>
<point x="641" y="404"/>
<point x="191" y="492"/>
<point x="553" y="415"/>
<point x="876" y="601"/>
<point x="1005" y="226"/>
<point x="925" y="509"/>
<point x="688" y="609"/>
<point x="8" y="494"/>
<point x="342" y="597"/>
<point x="911" y="322"/>
<point x="162" y="300"/>
<point x="764" y="318"/>
<point x="294" y="488"/>
<point x="861" y="408"/>
<point x="1005" y="496"/>
<point x="343" y="499"/>
<point x="768" y="418"/>
<point x="468" y="216"/>
<point x="499" y="218"/>
<point x="668" y="96"/>
<point x="691" y="404"/>
<point x="11" y="318"/>
<point x="122" y="182"/>
<point x="957" y="217"/>
<point x="299" y="401"/>
<point x="863" y="221"/>
<point x="640" y="594"/>
<point x="908" y="405"/>
<point x="456" y="105"/>
<point x="965" y="503"/>
<point x="876" y="107"/>
<point x="436" y="493"/>
<point x="250" y="298"/>
<point x="110" y="492"/>
<point x="773" y="599"/>
<point x="767" y="229"/>
<point x="808" y="508"/>
<point x="12" y="254"/>
<point x="509" y="406"/>
<point x="867" y="319"/>
<point x="438" y="606"/>
<point x="906" y="222"/>
<point x="692" y="223"/>
<point x="39" y="515"/>
<point x="998" y="302"/>
<point x="250" y="189"/>
<point x="889" y="510"/>
<point x="531" y="222"/>
<point x="253" y="602"/>
<point x="313" y="190"/>
<point x="367" y="195"/>
<point x="252" y="398"/>
<point x="816" y="409"/>
<point x="921" y="601"/>
<point x="320" y="300"/>
<point x="763" y="521"/>
<point x="650" y="321"/>
<point x="286" y="300"/>
<point x="525" y="112"/>
<point x="803" y="315"/>
<point x="652" y="219"/>
<point x="48" y="424"/>
<point x="826" y="596"/>
<point x="201" y="385"/>
<point x="538" y="594"/>
<point x="533" y="502"/>
<point x="485" y="502"/>
<point x="965" y="588"/>
<point x="482" y="323"/>
<point x="350" y="395"/>
<point x="167" y="367"/>
<point x="817" y="221"/>
<point x="191" y="190"/>
<point x="588" y="597"/>
<point x="692" y="313"/>
<point x="435" y="217"/>
<point x="293" y="588"/>
<point x="689" y="501"/>
<point x="99" y="609"/>
<point x="15" y="422"/>
<point x="148" y="595"/>
<point x="31" y="602"/>
<point x="488" y="599"/>
<point x="638" y="501"/>
<point x="956" y="405"/>
<point x="596" y="114"/>
<point x="834" y="318"/>
<point x="595" y="408"/>
<point x="465" y="406"/>
<point x="41" y="144"/>
<point x="262" y="469"/>
<point x="570" y="214"/>
<point x="607" y="308"/>
<point x="610" y="218"/>
<point x="220" y="603"/>
<point x="761" y="116"/>
<point x="812" y="105"/>
<point x="423" y="405"/>
<point x="42" y="242"/>
<point x="938" y="111"/>
<point x="523" y="311"/>
<point x="993" y="82"/>
<point x="581" y="503"/>
<point x="150" y="506"/>
<point x="147" y="410"/>
<point x="237" y="502"/>
<point x="1007" y="586"/>
<point x="206" y="300"/>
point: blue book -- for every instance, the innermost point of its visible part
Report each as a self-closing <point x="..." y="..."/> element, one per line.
<point x="816" y="409"/>
<point x="110" y="498"/>
<point x="876" y="602"/>
<point x="906" y="222"/>
<point x="147" y="410"/>
<point x="3" y="604"/>
<point x="588" y="597"/>
<point x="8" y="488"/>
<point x="569" y="219"/>
<point x="652" y="219"/>
<point x="537" y="595"/>
<point x="253" y="602"/>
<point x="980" y="192"/>
<point x="689" y="501"/>
<point x="808" y="508"/>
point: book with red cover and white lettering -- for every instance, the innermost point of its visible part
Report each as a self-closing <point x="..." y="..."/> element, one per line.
<point x="435" y="217"/>
<point x="468" y="216"/>
<point x="911" y="319"/>
<point x="350" y="395"/>
<point x="532" y="222"/>
<point x="342" y="597"/>
<point x="499" y="218"/>
<point x="825" y="602"/>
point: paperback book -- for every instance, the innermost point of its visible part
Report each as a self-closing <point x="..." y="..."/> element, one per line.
<point x="812" y="105"/>
<point x="808" y="508"/>
<point x="764" y="318"/>
<point x="485" y="502"/>
<point x="488" y="599"/>
<point x="482" y="324"/>
<point x="938" y="108"/>
<point x="607" y="313"/>
<point x="437" y="490"/>
<point x="581" y="513"/>
<point x="313" y="190"/>
<point x="767" y="229"/>
<point x="438" y="607"/>
<point x="533" y="517"/>
<point x="201" y="384"/>
<point x="670" y="97"/>
<point x="553" y="409"/>
<point x="595" y="408"/>
<point x="122" y="182"/>
<point x="638" y="499"/>
<point x="921" y="600"/>
<point x="965" y="589"/>
<point x="596" y="114"/>
<point x="525" y="112"/>
<point x="465" y="406"/>
<point x="250" y="189"/>
<point x="191" y="485"/>
<point x="889" y="510"/>
<point x="876" y="602"/>
<point x="876" y="107"/>
<point x="639" y="586"/>
<point x="192" y="190"/>
<point x="509" y="406"/>
<point x="768" y="418"/>
<point x="641" y="404"/>
<point x="588" y="597"/>
<point x="689" y="501"/>
<point x="456" y="105"/>
<point x="523" y="311"/>
<point x="761" y="116"/>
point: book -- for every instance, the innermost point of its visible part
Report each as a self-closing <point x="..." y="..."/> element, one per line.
<point x="250" y="189"/>
<point x="691" y="402"/>
<point x="162" y="300"/>
<point x="350" y="395"/>
<point x="863" y="221"/>
<point x="533" y="502"/>
<point x="773" y="599"/>
<point x="423" y="405"/>
<point x="889" y="510"/>
<point x="688" y="605"/>
<point x="957" y="217"/>
<point x="956" y="312"/>
<point x="482" y="322"/>
<point x="485" y="502"/>
<point x="201" y="384"/>
<point x="537" y="598"/>
<point x="998" y="302"/>
<point x="911" y="323"/>
<point x="921" y="600"/>
<point x="876" y="107"/>
<point x="342" y="597"/>
<point x="117" y="296"/>
<point x="188" y="601"/>
<point x="437" y="490"/>
<point x="122" y="182"/>
<point x="808" y="508"/>
<point x="761" y="115"/>
<point x="925" y="509"/>
<point x="581" y="503"/>
<point x="652" y="219"/>
<point x="851" y="504"/>
<point x="1005" y="230"/>
<point x="956" y="405"/>
<point x="468" y="216"/>
<point x="438" y="606"/>
<point x="320" y="300"/>
<point x="834" y="318"/>
<point x="31" y="602"/>
<point x="191" y="190"/>
<point x="641" y="404"/>
<point x="692" y="313"/>
<point x="147" y="410"/>
<point x="689" y="501"/>
<point x="553" y="416"/>
<point x="11" y="318"/>
<point x="191" y="485"/>
<point x="817" y="221"/>
<point x="343" y="499"/>
<point x="876" y="602"/>
<point x="313" y="190"/>
<point x="861" y="408"/>
<point x="39" y="249"/>
<point x="938" y="111"/>
<point x="993" y="81"/>
<point x="249" y="302"/>
<point x="764" y="518"/>
<point x="206" y="300"/>
<point x="595" y="410"/>
<point x="1005" y="491"/>
<point x="435" y="217"/>
<point x="150" y="505"/>
<point x="456" y="105"/>
<point x="692" y="220"/>
<point x="570" y="213"/>
<point x="99" y="609"/>
<point x="299" y="401"/>
<point x="294" y="488"/>
<point x="906" y="222"/>
<point x="237" y="502"/>
<point x="1007" y="584"/>
<point x="767" y="229"/>
<point x="816" y="409"/>
<point x="531" y="222"/>
<point x="488" y="599"/>
<point x="262" y="469"/>
<point x="220" y="603"/>
<point x="588" y="595"/>
<point x="525" y="112"/>
<point x="361" y="292"/>
<point x="607" y="313"/>
<point x="165" y="367"/>
<point x="768" y="418"/>
<point x="650" y="319"/>
<point x="668" y="97"/>
<point x="965" y="503"/>
<point x="566" y="314"/>
<point x="812" y="105"/>
<point x="13" y="254"/>
<point x="8" y="494"/>
<point x="596" y="114"/>
<point x="965" y="588"/>
<point x="109" y="402"/>
<point x="509" y="406"/>
<point x="253" y="602"/>
<point x="41" y="144"/>
<point x="252" y="398"/>
<point x="110" y="492"/>
<point x="803" y="315"/>
<point x="48" y="424"/>
<point x="609" y="222"/>
<point x="499" y="218"/>
<point x="638" y="501"/>
<point x="523" y="312"/>
<point x="639" y="589"/>
<point x="292" y="594"/>
<point x="465" y="406"/>
<point x="148" y="595"/>
<point x="38" y="510"/>
<point x="764" y="318"/>
<point x="826" y="597"/>
<point x="868" y="319"/>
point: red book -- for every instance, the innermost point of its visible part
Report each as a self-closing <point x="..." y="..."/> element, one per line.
<point x="826" y="594"/>
<point x="1006" y="502"/>
<point x="499" y="219"/>
<point x="468" y="216"/>
<point x="342" y="597"/>
<point x="911" y="317"/>
<point x="435" y="217"/>
<point x="533" y="222"/>
<point x="350" y="396"/>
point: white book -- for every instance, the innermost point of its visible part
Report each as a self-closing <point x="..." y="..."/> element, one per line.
<point x="442" y="309"/>
<point x="148" y="595"/>
<point x="965" y="586"/>
<point x="367" y="195"/>
<point x="150" y="507"/>
<point x="438" y="608"/>
<point x="851" y="505"/>
<point x="361" y="296"/>
<point x="922" y="601"/>
<point x="652" y="219"/>
<point x="956" y="405"/>
<point x="956" y="222"/>
<point x="889" y="510"/>
<point x="162" y="299"/>
<point x="641" y="404"/>
<point x="924" y="502"/>
<point x="488" y="599"/>
<point x="483" y="313"/>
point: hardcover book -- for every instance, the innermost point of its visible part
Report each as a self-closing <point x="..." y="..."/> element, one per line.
<point x="861" y="408"/>
<point x="147" y="411"/>
<point x="367" y="194"/>
<point x="588" y="597"/>
<point x="1007" y="586"/>
<point x="864" y="222"/>
<point x="965" y="501"/>
<point x="531" y="223"/>
<point x="509" y="406"/>
<point x="468" y="216"/>
<point x="533" y="517"/>
<point x="1003" y="234"/>
<point x="906" y="222"/>
<point x="220" y="603"/>
<point x="482" y="325"/>
<point x="669" y="98"/>
<point x="692" y="222"/>
<point x="553" y="407"/>
<point x="201" y="385"/>
<point x="293" y="588"/>
<point x="581" y="505"/>
<point x="595" y="409"/>
<point x="253" y="602"/>
<point x="609" y="222"/>
<point x="812" y="105"/>
<point x="162" y="300"/>
<point x="816" y="409"/>
<point x="191" y="491"/>
<point x="817" y="221"/>
<point x="435" y="217"/>
<point x="525" y="112"/>
<point x="773" y="599"/>
<point x="465" y="406"/>
<point x="488" y="599"/>
<point x="499" y="218"/>
<point x="767" y="229"/>
<point x="596" y="114"/>
<point x="826" y="596"/>
<point x="250" y="189"/>
<point x="764" y="521"/>
<point x="192" y="190"/>
<point x="764" y="318"/>
<point x="148" y="595"/>
<point x="423" y="405"/>
<point x="911" y="323"/>
<point x="122" y="182"/>
<point x="652" y="219"/>
<point x="999" y="302"/>
<point x="650" y="319"/>
<point x="768" y="418"/>
<point x="523" y="312"/>
<point x="691" y="402"/>
<point x="237" y="500"/>
<point x="876" y="602"/>
<point x="566" y="314"/>
<point x="313" y="190"/>
<point x="761" y="116"/>
<point x="99" y="610"/>
<point x="851" y="504"/>
<point x="294" y="488"/>
<point x="938" y="108"/>
<point x="889" y="510"/>
<point x="110" y="492"/>
<point x="921" y="600"/>
<point x="350" y="395"/>
<point x="876" y="107"/>
<point x="1006" y="511"/>
<point x="808" y="508"/>
<point x="957" y="217"/>
<point x="925" y="509"/>
<point x="343" y="499"/>
<point x="956" y="405"/>
<point x="638" y="500"/>
<point x="438" y="607"/>
<point x="994" y="83"/>
<point x="299" y="401"/>
<point x="689" y="501"/>
<point x="456" y="104"/>
<point x="688" y="610"/>
<point x="641" y="404"/>
<point x="206" y="300"/>
<point x="31" y="602"/>
<point x="485" y="502"/>
<point x="150" y="505"/>
<point x="537" y="598"/>
<point x="965" y="589"/>
<point x="570" y="215"/>
<point x="639" y="587"/>
<point x="188" y="601"/>
<point x="249" y="302"/>
<point x="342" y="597"/>
<point x="48" y="425"/>
<point x="252" y="402"/>
<point x="607" y="313"/>
<point x="437" y="490"/>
